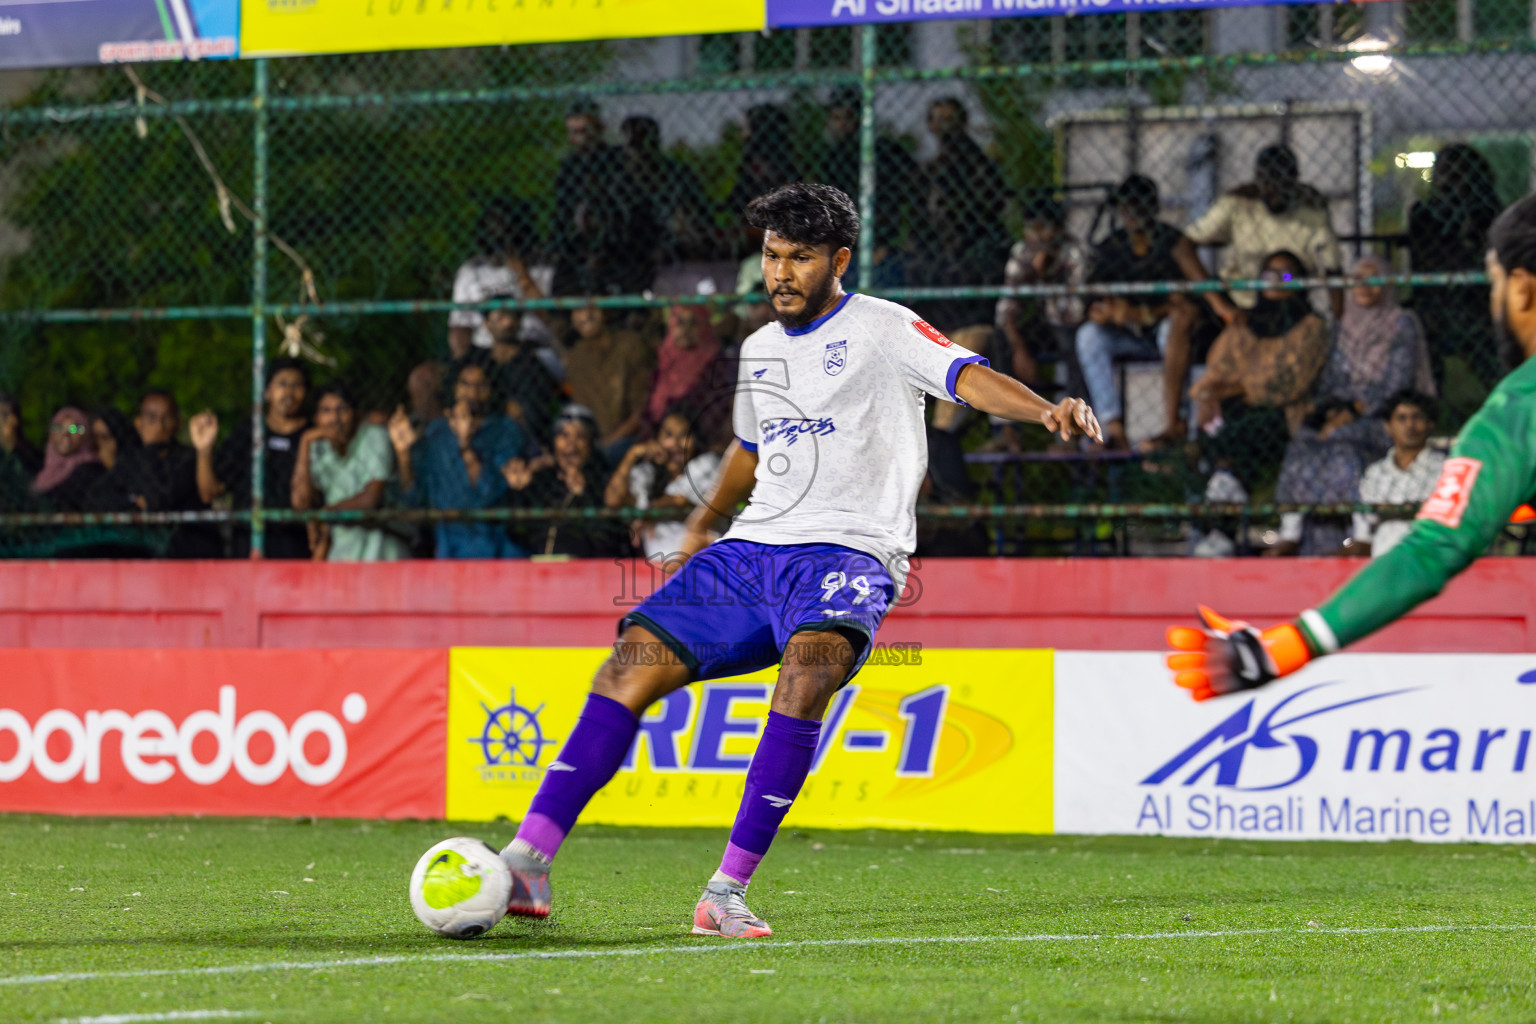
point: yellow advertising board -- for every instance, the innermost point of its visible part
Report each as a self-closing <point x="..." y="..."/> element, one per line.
<point x="937" y="739"/>
<point x="272" y="28"/>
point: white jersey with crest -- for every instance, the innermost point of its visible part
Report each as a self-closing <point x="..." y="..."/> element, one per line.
<point x="834" y="411"/>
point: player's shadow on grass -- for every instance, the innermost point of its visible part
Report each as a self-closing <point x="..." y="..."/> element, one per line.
<point x="519" y="938"/>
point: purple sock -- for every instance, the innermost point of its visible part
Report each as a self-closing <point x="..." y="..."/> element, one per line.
<point x="777" y="772"/>
<point x="590" y="758"/>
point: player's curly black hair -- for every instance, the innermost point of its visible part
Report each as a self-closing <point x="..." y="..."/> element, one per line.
<point x="807" y="213"/>
<point x="1513" y="236"/>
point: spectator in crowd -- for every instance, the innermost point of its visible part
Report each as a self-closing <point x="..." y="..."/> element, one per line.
<point x="1378" y="353"/>
<point x="1323" y="464"/>
<point x="503" y="241"/>
<point x="227" y="470"/>
<point x="575" y="476"/>
<point x="609" y="372"/>
<point x="1447" y="232"/>
<point x="456" y="464"/>
<point x="71" y="468"/>
<point x="345" y="464"/>
<point x="19" y="458"/>
<point x="767" y="157"/>
<point x="1407" y="475"/>
<point x="113" y="434"/>
<point x="13" y="439"/>
<point x="1259" y="380"/>
<point x="1047" y="254"/>
<point x="1379" y="347"/>
<point x="669" y="217"/>
<point x="159" y="475"/>
<point x="751" y="316"/>
<point x="965" y="241"/>
<point x="666" y="472"/>
<point x="688" y="372"/>
<point x="424" y="387"/>
<point x="1142" y="249"/>
<point x="588" y="238"/>
<point x="1274" y="212"/>
<point x="522" y="385"/>
<point x="896" y="182"/>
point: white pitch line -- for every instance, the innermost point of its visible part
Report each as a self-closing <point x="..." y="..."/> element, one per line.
<point x="732" y="947"/>
<point x="133" y="1018"/>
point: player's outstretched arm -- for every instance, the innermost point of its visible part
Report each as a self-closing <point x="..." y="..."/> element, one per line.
<point x="982" y="387"/>
<point x="1491" y="471"/>
<point x="738" y="472"/>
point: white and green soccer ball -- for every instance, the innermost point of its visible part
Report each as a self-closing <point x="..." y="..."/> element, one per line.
<point x="461" y="887"/>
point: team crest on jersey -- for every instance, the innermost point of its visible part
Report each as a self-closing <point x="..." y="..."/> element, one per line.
<point x="835" y="358"/>
<point x="932" y="333"/>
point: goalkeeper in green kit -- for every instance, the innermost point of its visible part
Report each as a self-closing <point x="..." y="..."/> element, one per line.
<point x="1490" y="474"/>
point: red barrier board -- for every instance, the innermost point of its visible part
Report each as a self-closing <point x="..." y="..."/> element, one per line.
<point x="1082" y="604"/>
<point x="349" y="733"/>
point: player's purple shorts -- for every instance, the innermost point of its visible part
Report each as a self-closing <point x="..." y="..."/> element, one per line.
<point x="732" y="607"/>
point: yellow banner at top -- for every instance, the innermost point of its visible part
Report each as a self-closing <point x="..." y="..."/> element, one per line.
<point x="273" y="28"/>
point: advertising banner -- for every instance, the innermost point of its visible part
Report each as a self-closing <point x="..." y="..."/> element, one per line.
<point x="237" y="732"/>
<point x="63" y="33"/>
<point x="271" y="28"/>
<point x="1429" y="747"/>
<point x="808" y="13"/>
<point x="921" y="739"/>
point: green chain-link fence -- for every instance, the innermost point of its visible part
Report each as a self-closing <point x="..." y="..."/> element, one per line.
<point x="471" y="241"/>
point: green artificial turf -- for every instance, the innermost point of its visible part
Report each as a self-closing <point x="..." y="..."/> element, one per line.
<point x="104" y="898"/>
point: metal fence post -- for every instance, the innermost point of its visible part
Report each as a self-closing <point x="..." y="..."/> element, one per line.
<point x="258" y="308"/>
<point x="867" y="58"/>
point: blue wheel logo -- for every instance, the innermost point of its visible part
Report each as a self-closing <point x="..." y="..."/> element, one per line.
<point x="512" y="735"/>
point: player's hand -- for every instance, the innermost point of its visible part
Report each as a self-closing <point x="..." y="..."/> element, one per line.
<point x="1228" y="656"/>
<point x="1072" y="415"/>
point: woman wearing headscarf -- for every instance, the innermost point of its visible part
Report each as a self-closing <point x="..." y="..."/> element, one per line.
<point x="1259" y="377"/>
<point x="1378" y="351"/>
<point x="685" y="373"/>
<point x="71" y="466"/>
<point x="1380" y="348"/>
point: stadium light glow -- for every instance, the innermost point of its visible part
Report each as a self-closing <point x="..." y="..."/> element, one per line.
<point x="1371" y="63"/>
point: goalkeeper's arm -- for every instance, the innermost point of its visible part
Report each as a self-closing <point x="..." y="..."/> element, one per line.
<point x="1491" y="472"/>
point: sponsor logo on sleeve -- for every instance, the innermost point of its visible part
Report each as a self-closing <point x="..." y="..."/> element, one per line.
<point x="1449" y="501"/>
<point x="932" y="333"/>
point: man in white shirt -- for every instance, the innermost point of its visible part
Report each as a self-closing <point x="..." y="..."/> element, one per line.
<point x="1274" y="212"/>
<point x="1406" y="476"/>
<point x="502" y="236"/>
<point x="830" y="450"/>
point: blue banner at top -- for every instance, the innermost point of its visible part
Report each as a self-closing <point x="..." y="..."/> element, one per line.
<point x="810" y="13"/>
<point x="65" y="33"/>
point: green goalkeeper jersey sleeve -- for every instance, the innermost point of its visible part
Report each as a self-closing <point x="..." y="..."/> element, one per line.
<point x="1490" y="473"/>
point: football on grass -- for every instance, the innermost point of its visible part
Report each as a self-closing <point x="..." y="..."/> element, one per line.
<point x="460" y="888"/>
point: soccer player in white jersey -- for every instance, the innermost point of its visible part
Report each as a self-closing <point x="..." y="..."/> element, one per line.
<point x="829" y="453"/>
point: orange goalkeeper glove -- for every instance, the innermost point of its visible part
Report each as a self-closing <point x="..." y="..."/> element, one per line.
<point x="1228" y="656"/>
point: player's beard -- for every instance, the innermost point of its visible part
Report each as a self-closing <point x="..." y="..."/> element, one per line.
<point x="816" y="300"/>
<point x="1511" y="352"/>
